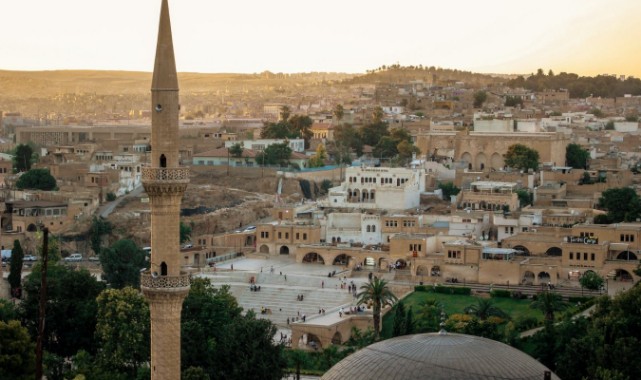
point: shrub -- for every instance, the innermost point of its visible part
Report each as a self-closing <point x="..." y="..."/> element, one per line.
<point x="500" y="293"/>
<point x="111" y="197"/>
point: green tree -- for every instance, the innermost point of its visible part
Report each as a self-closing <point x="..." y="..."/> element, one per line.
<point x="513" y="101"/>
<point x="301" y="127"/>
<point x="525" y="198"/>
<point x="15" y="274"/>
<point x="398" y="328"/>
<point x="591" y="281"/>
<point x="377" y="294"/>
<point x="17" y="352"/>
<point x="385" y="148"/>
<point x="38" y="179"/>
<point x="430" y="315"/>
<point x="185" y="232"/>
<point x="549" y="303"/>
<point x="121" y="264"/>
<point x="346" y="140"/>
<point x="609" y="126"/>
<point x="275" y="154"/>
<point x="371" y="133"/>
<point x="122" y="331"/>
<point x="280" y="130"/>
<point x="215" y="334"/>
<point x="195" y="373"/>
<point x="8" y="310"/>
<point x="23" y="158"/>
<point x="622" y="203"/>
<point x="596" y="112"/>
<point x="70" y="312"/>
<point x="479" y="98"/>
<point x="285" y="112"/>
<point x="519" y="156"/>
<point x="406" y="151"/>
<point x="236" y="150"/>
<point x="448" y="189"/>
<point x="377" y="115"/>
<point x="409" y="321"/>
<point x="576" y="157"/>
<point x="485" y="308"/>
<point x="99" y="228"/>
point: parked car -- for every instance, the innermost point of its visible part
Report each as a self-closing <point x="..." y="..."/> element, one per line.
<point x="250" y="228"/>
<point x="188" y="245"/>
<point x="30" y="258"/>
<point x="73" y="257"/>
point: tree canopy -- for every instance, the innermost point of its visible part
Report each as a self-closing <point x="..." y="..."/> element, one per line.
<point x="448" y="189"/>
<point x="275" y="154"/>
<point x="15" y="274"/>
<point x="605" y="86"/>
<point x="479" y="98"/>
<point x="576" y="157"/>
<point x="236" y="150"/>
<point x="37" y="179"/>
<point x="622" y="203"/>
<point x="377" y="294"/>
<point x="17" y="352"/>
<point x="121" y="264"/>
<point x="519" y="156"/>
<point x="23" y="158"/>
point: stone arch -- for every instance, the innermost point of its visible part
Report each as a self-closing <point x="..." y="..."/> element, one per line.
<point x="627" y="256"/>
<point x="435" y="271"/>
<point x="337" y="338"/>
<point x="163" y="269"/>
<point x="263" y="249"/>
<point x="357" y="196"/>
<point x="32" y="228"/>
<point x="400" y="264"/>
<point x="528" y="278"/>
<point x="313" y="258"/>
<point x="554" y="251"/>
<point x="163" y="161"/>
<point x="496" y="161"/>
<point x="284" y="250"/>
<point x="341" y="259"/>
<point x="622" y="275"/>
<point x="523" y="250"/>
<point x="467" y="157"/>
<point x="481" y="161"/>
<point x="372" y="195"/>
<point x="422" y="270"/>
<point x="543" y="277"/>
<point x="314" y="340"/>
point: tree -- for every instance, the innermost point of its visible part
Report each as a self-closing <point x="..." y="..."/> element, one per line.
<point x="121" y="264"/>
<point x="591" y="281"/>
<point x="215" y="334"/>
<point x="609" y="126"/>
<point x="430" y="315"/>
<point x="236" y="150"/>
<point x="485" y="308"/>
<point x="377" y="294"/>
<point x="398" y="328"/>
<point x="519" y="156"/>
<point x="23" y="158"/>
<point x="479" y="98"/>
<point x="8" y="310"/>
<point x="17" y="352"/>
<point x="346" y="139"/>
<point x="549" y="303"/>
<point x="185" y="232"/>
<point x="15" y="274"/>
<point x="122" y="331"/>
<point x="99" y="227"/>
<point x="318" y="160"/>
<point x="406" y="151"/>
<point x="38" y="179"/>
<point x="623" y="204"/>
<point x="409" y="321"/>
<point x="301" y="127"/>
<point x="385" y="148"/>
<point x="525" y="198"/>
<point x="285" y="111"/>
<point x="513" y="101"/>
<point x="448" y="189"/>
<point x="576" y="157"/>
<point x="275" y="154"/>
<point x="195" y="373"/>
<point x="71" y="309"/>
<point x="339" y="112"/>
<point x="596" y="112"/>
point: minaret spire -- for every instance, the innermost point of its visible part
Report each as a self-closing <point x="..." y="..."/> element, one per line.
<point x="165" y="77"/>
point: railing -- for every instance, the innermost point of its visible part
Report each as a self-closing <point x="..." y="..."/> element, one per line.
<point x="165" y="174"/>
<point x="147" y="280"/>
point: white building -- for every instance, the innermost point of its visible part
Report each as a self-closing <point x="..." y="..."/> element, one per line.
<point x="296" y="145"/>
<point x="353" y="228"/>
<point x="378" y="188"/>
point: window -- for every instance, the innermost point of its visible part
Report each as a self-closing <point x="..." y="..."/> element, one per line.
<point x="304" y="236"/>
<point x="373" y="228"/>
<point x="286" y="235"/>
<point x="571" y="255"/>
<point x="585" y="256"/>
<point x="280" y="235"/>
<point x="592" y="256"/>
<point x="264" y="235"/>
<point x="297" y="236"/>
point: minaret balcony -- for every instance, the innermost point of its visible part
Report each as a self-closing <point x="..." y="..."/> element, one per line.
<point x="164" y="175"/>
<point x="154" y="281"/>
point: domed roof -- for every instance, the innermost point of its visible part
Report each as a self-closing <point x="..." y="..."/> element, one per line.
<point x="438" y="356"/>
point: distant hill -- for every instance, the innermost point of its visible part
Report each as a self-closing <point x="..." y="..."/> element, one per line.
<point x="36" y="84"/>
<point x="431" y="75"/>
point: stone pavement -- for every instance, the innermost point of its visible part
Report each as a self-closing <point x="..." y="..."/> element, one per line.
<point x="281" y="281"/>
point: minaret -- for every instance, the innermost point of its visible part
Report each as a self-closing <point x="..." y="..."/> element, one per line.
<point x="165" y="286"/>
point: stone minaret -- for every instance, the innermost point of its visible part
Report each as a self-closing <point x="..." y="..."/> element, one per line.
<point x="164" y="285"/>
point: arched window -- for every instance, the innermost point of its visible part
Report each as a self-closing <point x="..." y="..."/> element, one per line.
<point x="163" y="161"/>
<point x="163" y="269"/>
<point x="368" y="229"/>
<point x="373" y="228"/>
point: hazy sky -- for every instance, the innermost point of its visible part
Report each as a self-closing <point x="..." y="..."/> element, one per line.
<point x="508" y="36"/>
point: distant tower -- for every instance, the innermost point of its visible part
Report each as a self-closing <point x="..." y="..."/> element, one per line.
<point x="164" y="285"/>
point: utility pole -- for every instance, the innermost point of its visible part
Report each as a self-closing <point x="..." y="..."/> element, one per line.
<point x="43" y="302"/>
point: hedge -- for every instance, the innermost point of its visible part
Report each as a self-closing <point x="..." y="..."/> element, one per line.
<point x="444" y="289"/>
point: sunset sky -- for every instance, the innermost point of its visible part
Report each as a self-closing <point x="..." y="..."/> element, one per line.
<point x="588" y="37"/>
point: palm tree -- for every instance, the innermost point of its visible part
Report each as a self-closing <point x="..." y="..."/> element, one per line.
<point x="485" y="308"/>
<point x="548" y="302"/>
<point x="430" y="315"/>
<point x="376" y="292"/>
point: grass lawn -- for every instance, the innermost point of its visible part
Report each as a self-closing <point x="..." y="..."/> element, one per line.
<point x="454" y="304"/>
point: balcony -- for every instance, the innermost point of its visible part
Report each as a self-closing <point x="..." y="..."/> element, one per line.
<point x="159" y="175"/>
<point x="147" y="280"/>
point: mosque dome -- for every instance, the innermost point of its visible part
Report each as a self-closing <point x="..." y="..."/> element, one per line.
<point x="438" y="356"/>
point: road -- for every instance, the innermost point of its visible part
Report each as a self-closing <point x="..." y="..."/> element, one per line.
<point x="109" y="207"/>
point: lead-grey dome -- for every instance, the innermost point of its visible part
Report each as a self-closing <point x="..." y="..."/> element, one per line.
<point x="438" y="356"/>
